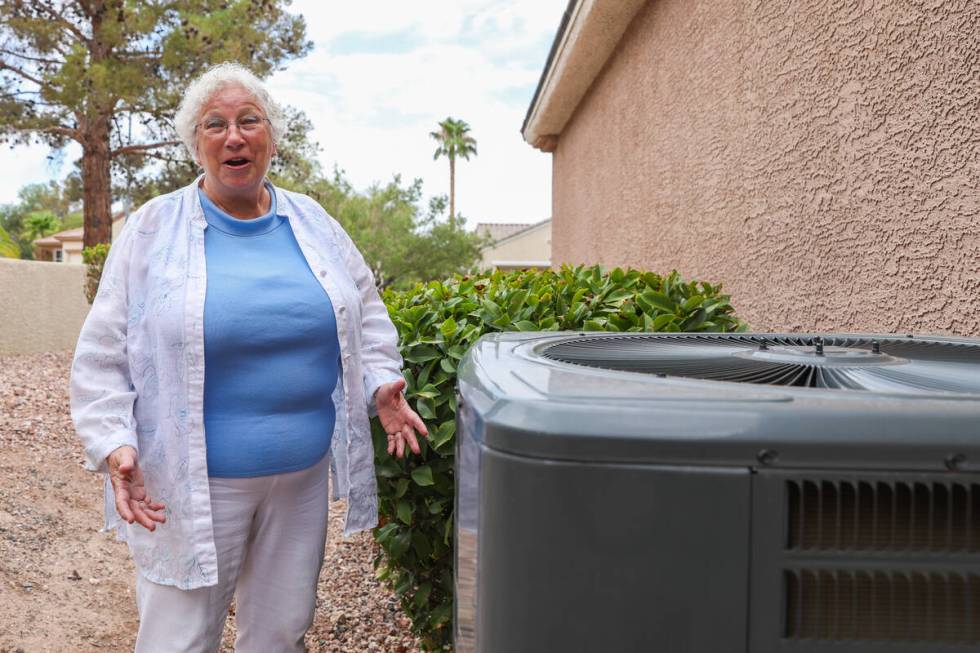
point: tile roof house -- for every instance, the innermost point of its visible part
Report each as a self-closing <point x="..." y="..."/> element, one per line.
<point x="499" y="230"/>
<point x="516" y="246"/>
<point x="66" y="246"/>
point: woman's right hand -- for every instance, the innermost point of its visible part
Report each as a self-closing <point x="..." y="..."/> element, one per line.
<point x="132" y="503"/>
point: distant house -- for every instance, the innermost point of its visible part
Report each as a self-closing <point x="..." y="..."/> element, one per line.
<point x="66" y="246"/>
<point x="516" y="246"/>
<point x="819" y="159"/>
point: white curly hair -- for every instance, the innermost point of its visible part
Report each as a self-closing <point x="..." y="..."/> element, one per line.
<point x="216" y="78"/>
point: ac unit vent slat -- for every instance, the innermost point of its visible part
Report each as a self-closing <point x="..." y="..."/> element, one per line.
<point x="882" y="516"/>
<point x="843" y="605"/>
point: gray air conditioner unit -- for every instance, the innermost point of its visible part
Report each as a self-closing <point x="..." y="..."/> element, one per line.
<point x="718" y="493"/>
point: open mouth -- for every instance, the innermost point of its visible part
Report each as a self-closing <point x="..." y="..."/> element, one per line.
<point x="238" y="162"/>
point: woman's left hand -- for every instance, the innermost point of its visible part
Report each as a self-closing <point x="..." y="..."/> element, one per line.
<point x="400" y="422"/>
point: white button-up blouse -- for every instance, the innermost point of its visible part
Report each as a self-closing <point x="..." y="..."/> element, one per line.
<point x="138" y="374"/>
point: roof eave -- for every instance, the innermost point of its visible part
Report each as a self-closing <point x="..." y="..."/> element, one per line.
<point x="519" y="234"/>
<point x="588" y="34"/>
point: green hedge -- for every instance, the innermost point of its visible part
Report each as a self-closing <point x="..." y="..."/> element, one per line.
<point x="437" y="323"/>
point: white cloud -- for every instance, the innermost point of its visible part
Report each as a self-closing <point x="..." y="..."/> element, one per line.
<point x="476" y="60"/>
<point x="31" y="164"/>
<point x="384" y="72"/>
<point x="510" y="20"/>
<point x="326" y="20"/>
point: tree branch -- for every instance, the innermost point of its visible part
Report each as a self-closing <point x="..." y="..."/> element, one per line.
<point x="56" y="130"/>
<point x="149" y="55"/>
<point x="62" y="131"/>
<point x="20" y="73"/>
<point x="13" y="95"/>
<point x="132" y="149"/>
<point x="57" y="17"/>
<point x="18" y="96"/>
<point x="29" y="58"/>
<point x="161" y="157"/>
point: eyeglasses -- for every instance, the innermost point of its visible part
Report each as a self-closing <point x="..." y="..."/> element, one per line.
<point x="218" y="127"/>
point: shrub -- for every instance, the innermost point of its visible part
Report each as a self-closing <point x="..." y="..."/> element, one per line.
<point x="94" y="258"/>
<point x="437" y="323"/>
<point x="8" y="246"/>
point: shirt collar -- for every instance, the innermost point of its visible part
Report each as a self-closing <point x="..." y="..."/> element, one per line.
<point x="192" y="200"/>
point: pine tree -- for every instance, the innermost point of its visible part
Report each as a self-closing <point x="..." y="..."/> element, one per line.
<point x="109" y="75"/>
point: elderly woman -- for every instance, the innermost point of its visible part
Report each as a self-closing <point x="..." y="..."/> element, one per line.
<point x="232" y="355"/>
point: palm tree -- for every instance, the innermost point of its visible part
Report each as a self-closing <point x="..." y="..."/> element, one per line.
<point x="39" y="224"/>
<point x="454" y="140"/>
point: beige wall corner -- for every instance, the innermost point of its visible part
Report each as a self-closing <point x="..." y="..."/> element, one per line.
<point x="42" y="306"/>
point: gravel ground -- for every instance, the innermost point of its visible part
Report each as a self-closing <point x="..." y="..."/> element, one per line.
<point x="64" y="586"/>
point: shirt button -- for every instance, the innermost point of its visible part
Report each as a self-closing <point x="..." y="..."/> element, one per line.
<point x="323" y="273"/>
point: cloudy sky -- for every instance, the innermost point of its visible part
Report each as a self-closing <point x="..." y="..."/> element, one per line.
<point x="382" y="74"/>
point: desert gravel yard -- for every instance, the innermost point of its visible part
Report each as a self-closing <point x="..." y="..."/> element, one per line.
<point x="64" y="586"/>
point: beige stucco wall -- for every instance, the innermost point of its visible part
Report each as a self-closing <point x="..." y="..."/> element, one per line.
<point x="42" y="306"/>
<point x="72" y="251"/>
<point x="822" y="159"/>
<point x="533" y="245"/>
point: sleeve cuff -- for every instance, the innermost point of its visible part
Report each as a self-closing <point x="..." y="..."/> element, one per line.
<point x="374" y="379"/>
<point x="95" y="456"/>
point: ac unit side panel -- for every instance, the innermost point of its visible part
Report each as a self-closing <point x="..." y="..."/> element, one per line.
<point x="594" y="557"/>
<point x="865" y="561"/>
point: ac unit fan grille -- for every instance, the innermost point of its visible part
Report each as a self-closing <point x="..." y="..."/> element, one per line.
<point x="883" y="516"/>
<point x="890" y="606"/>
<point x="887" y="364"/>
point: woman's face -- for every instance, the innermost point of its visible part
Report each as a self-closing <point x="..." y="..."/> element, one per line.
<point x="235" y="159"/>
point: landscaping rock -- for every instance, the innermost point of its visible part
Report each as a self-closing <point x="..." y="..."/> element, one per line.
<point x="50" y="511"/>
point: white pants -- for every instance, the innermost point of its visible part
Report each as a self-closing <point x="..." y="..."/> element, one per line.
<point x="270" y="534"/>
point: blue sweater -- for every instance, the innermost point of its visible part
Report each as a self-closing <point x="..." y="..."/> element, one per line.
<point x="271" y="353"/>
